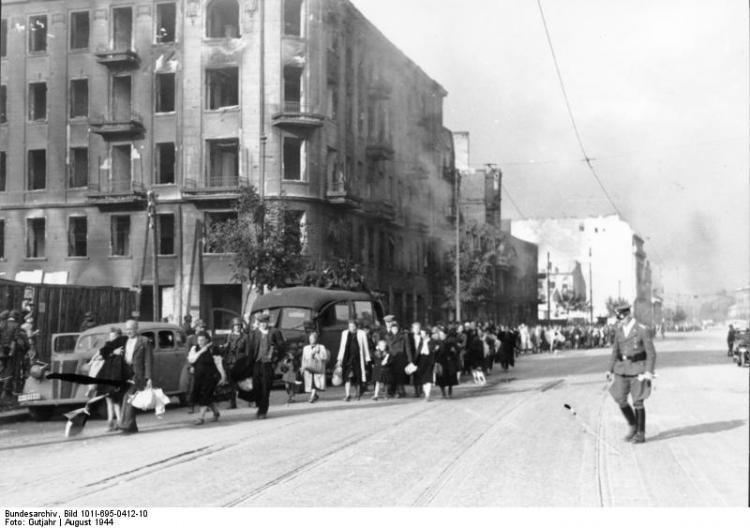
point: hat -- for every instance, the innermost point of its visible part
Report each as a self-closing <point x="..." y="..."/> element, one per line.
<point x="15" y="314"/>
<point x="389" y="318"/>
<point x="262" y="318"/>
<point x="236" y="321"/>
<point x="622" y="308"/>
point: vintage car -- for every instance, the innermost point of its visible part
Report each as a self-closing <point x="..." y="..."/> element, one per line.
<point x="294" y="310"/>
<point x="70" y="353"/>
<point x="741" y="348"/>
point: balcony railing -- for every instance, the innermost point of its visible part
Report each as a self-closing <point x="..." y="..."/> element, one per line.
<point x="114" y="127"/>
<point x="115" y="191"/>
<point x="293" y="114"/>
<point x="118" y="58"/>
<point x="212" y="187"/>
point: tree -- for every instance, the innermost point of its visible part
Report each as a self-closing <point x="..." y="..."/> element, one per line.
<point x="265" y="239"/>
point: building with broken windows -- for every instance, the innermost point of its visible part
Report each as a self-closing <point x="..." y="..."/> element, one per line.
<point x="305" y="99"/>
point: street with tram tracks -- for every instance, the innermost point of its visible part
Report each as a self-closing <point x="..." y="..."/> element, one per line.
<point x="511" y="442"/>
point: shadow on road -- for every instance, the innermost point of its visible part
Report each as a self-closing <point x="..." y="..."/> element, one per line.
<point x="706" y="428"/>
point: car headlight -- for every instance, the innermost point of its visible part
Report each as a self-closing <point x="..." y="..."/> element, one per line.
<point x="37" y="371"/>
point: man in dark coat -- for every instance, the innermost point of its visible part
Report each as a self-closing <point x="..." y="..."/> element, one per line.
<point x="399" y="350"/>
<point x="632" y="363"/>
<point x="265" y="347"/>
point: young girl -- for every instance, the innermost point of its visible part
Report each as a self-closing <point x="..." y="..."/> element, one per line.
<point x="290" y="375"/>
<point x="381" y="368"/>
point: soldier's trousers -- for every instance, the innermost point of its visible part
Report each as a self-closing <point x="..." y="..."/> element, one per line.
<point x="632" y="386"/>
<point x="7" y="375"/>
<point x="262" y="383"/>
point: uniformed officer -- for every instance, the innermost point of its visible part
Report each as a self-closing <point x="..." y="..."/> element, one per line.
<point x="13" y="348"/>
<point x="632" y="363"/>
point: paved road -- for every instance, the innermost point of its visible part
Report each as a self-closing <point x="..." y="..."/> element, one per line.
<point x="509" y="443"/>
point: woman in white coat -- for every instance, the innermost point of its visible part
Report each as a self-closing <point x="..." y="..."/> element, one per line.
<point x="314" y="360"/>
<point x="354" y="354"/>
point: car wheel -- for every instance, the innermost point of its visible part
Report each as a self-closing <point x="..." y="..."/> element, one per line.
<point x="41" y="414"/>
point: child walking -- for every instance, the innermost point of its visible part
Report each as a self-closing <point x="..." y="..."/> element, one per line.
<point x="381" y="368"/>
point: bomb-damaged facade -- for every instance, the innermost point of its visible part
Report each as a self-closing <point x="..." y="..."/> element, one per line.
<point x="304" y="99"/>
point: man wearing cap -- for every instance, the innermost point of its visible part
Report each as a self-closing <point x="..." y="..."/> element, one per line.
<point x="13" y="347"/>
<point x="399" y="350"/>
<point x="632" y="364"/>
<point x="265" y="347"/>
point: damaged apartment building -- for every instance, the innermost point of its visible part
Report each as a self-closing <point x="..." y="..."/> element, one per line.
<point x="103" y="101"/>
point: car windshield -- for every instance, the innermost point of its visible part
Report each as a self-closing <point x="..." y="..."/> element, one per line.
<point x="294" y="318"/>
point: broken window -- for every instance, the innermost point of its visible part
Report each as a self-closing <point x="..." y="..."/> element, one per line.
<point x="3" y="37"/>
<point x="292" y="89"/>
<point x="223" y="19"/>
<point x="165" y="90"/>
<point x="293" y="163"/>
<point x="223" y="162"/>
<point x="79" y="167"/>
<point x="165" y="162"/>
<point x="222" y="88"/>
<point x="121" y="97"/>
<point x="37" y="169"/>
<point x="35" y="237"/>
<point x="79" y="30"/>
<point x="3" y="104"/>
<point x="122" y="28"/>
<point x="37" y="101"/>
<point x="77" y="233"/>
<point x="79" y="98"/>
<point x="293" y="18"/>
<point x="2" y="171"/>
<point x="120" y="234"/>
<point x="210" y="220"/>
<point x="38" y="33"/>
<point x="166" y="234"/>
<point x="121" y="168"/>
<point x="165" y="23"/>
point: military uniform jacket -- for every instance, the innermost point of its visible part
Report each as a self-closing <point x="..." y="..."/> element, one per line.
<point x="637" y="342"/>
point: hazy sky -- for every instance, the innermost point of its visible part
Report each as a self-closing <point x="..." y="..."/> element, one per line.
<point x="658" y="88"/>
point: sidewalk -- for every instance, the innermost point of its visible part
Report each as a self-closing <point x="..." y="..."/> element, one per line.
<point x="13" y="415"/>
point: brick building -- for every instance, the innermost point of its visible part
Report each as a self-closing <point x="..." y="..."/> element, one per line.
<point x="102" y="101"/>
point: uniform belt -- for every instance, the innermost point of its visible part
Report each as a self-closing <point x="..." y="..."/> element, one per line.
<point x="637" y="357"/>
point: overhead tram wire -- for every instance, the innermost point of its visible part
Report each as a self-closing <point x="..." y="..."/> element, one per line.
<point x="570" y="113"/>
<point x="513" y="202"/>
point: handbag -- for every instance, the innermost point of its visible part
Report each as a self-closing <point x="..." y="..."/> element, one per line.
<point x="245" y="385"/>
<point x="338" y="376"/>
<point x="144" y="400"/>
<point x="315" y="364"/>
<point x="410" y="369"/>
<point x="95" y="365"/>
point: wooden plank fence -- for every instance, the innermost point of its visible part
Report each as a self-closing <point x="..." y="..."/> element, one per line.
<point x="61" y="308"/>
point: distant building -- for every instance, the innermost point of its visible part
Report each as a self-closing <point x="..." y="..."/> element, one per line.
<point x="304" y="99"/>
<point x="740" y="309"/>
<point x="619" y="267"/>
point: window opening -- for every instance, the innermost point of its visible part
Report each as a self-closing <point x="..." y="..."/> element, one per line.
<point x="79" y="167"/>
<point x="2" y="239"/>
<point x="35" y="238"/>
<point x="3" y="104"/>
<point x="165" y="90"/>
<point x="120" y="233"/>
<point x="37" y="101"/>
<point x="122" y="28"/>
<point x="77" y="231"/>
<point x="37" y="169"/>
<point x="166" y="234"/>
<point x="79" y="98"/>
<point x="292" y="89"/>
<point x="222" y="87"/>
<point x="165" y="163"/>
<point x="223" y="162"/>
<point x="2" y="171"/>
<point x="293" y="164"/>
<point x="3" y="37"/>
<point x="165" y="23"/>
<point x="293" y="18"/>
<point x="121" y="97"/>
<point x="223" y="19"/>
<point x="121" y="168"/>
<point x="79" y="30"/>
<point x="38" y="33"/>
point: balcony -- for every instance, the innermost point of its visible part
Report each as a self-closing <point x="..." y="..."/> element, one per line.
<point x="118" y="127"/>
<point x="340" y="193"/>
<point x="120" y="58"/>
<point x="379" y="150"/>
<point x="293" y="114"/>
<point x="212" y="187"/>
<point x="114" y="192"/>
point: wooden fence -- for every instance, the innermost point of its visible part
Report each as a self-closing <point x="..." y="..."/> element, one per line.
<point x="59" y="309"/>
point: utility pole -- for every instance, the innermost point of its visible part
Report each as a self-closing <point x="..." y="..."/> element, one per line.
<point x="457" y="190"/>
<point x="549" y="300"/>
<point x="151" y="210"/>
<point x="591" y="290"/>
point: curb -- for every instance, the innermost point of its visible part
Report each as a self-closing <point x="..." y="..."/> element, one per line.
<point x="18" y="415"/>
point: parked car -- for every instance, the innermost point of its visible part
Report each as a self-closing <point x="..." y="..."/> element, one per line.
<point x="740" y="352"/>
<point x="70" y="353"/>
<point x="293" y="310"/>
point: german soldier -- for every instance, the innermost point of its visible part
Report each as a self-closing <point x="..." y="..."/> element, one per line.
<point x="632" y="363"/>
<point x="13" y="348"/>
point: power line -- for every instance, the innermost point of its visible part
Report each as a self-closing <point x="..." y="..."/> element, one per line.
<point x="570" y="112"/>
<point x="513" y="202"/>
